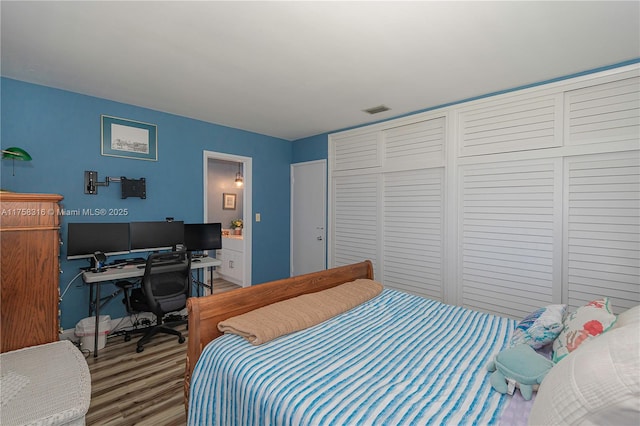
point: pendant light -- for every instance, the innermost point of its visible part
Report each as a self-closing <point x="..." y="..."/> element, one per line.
<point x="239" y="179"/>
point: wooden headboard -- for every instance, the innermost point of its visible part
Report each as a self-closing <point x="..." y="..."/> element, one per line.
<point x="206" y="312"/>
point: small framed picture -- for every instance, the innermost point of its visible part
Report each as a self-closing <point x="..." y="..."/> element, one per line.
<point x="128" y="139"/>
<point x="228" y="201"/>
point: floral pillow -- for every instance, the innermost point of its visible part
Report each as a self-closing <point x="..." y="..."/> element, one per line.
<point x="582" y="325"/>
<point x="540" y="327"/>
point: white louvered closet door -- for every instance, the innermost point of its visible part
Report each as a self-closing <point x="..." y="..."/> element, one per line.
<point x="602" y="235"/>
<point x="413" y="232"/>
<point x="510" y="125"/>
<point x="354" y="152"/>
<point x="604" y="113"/>
<point x="509" y="218"/>
<point x="355" y="220"/>
<point x="415" y="146"/>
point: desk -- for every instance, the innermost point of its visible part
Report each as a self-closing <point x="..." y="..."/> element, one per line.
<point x="121" y="273"/>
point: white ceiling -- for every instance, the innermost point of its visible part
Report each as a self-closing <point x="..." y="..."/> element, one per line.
<point x="296" y="69"/>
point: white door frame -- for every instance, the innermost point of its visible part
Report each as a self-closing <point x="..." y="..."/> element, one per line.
<point x="324" y="204"/>
<point x="247" y="215"/>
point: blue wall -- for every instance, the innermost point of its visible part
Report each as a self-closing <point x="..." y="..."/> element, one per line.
<point x="311" y="149"/>
<point x="61" y="131"/>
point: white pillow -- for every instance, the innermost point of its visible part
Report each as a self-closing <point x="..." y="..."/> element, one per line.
<point x="598" y="383"/>
<point x="630" y="316"/>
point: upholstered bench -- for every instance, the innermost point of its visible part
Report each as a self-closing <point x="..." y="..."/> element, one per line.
<point x="44" y="385"/>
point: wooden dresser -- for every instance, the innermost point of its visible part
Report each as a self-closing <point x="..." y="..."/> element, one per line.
<point x="29" y="249"/>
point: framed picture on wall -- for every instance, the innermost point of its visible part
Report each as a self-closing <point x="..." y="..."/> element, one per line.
<point x="228" y="201"/>
<point x="128" y="138"/>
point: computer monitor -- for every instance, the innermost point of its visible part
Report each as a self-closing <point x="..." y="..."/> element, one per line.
<point x="84" y="239"/>
<point x="154" y="236"/>
<point x="203" y="236"/>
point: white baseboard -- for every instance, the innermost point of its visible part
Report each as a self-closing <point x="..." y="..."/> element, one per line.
<point x="117" y="324"/>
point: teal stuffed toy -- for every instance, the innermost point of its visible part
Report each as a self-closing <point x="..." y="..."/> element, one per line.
<point x="519" y="366"/>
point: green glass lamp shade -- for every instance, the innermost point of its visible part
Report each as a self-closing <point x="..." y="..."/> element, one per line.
<point x="15" y="153"/>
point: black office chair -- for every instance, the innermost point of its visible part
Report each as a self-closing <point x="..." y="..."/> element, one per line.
<point x="164" y="289"/>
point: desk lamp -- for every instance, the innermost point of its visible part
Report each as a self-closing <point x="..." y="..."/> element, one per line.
<point x="15" y="153"/>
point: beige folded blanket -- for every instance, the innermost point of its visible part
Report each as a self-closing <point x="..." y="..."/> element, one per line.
<point x="265" y="324"/>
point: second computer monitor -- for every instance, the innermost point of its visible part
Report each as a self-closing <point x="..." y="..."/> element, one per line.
<point x="153" y="236"/>
<point x="203" y="236"/>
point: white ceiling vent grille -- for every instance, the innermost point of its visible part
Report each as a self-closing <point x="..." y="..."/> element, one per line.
<point x="376" y="109"/>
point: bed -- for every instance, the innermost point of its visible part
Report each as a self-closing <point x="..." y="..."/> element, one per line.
<point x="206" y="312"/>
<point x="394" y="359"/>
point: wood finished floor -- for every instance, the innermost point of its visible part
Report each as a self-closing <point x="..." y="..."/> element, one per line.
<point x="130" y="388"/>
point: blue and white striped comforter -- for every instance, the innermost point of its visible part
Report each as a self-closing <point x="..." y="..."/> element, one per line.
<point x="397" y="359"/>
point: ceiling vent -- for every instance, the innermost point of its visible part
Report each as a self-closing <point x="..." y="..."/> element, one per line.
<point x="376" y="110"/>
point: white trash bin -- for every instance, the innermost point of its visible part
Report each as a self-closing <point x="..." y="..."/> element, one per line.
<point x="86" y="331"/>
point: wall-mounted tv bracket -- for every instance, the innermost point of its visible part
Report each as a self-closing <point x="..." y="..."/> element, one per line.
<point x="130" y="187"/>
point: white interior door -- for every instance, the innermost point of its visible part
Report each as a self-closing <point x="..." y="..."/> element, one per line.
<point x="308" y="217"/>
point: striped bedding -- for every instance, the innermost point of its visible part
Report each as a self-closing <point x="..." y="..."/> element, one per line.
<point x="397" y="359"/>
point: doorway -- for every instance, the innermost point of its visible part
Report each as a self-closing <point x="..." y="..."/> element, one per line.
<point x="236" y="249"/>
<point x="308" y="217"/>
